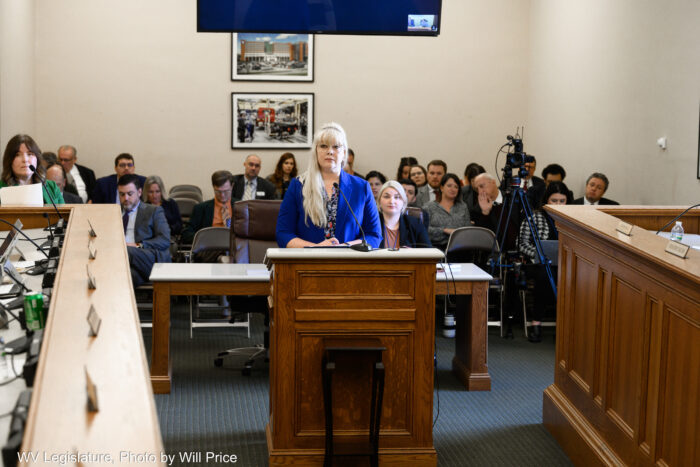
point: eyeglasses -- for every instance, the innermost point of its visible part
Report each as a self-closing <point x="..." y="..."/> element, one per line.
<point x="125" y="165"/>
<point x="223" y="192"/>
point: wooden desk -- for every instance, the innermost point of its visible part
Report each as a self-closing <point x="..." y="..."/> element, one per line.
<point x="58" y="422"/>
<point x="626" y="385"/>
<point x="169" y="279"/>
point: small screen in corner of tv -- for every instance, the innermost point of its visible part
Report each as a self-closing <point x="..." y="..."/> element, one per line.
<point x="390" y="17"/>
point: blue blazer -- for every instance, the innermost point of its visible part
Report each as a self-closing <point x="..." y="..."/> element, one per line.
<point x="291" y="222"/>
<point x="105" y="191"/>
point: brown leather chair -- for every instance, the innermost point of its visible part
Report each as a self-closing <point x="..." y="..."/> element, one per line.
<point x="253" y="229"/>
<point x="252" y="232"/>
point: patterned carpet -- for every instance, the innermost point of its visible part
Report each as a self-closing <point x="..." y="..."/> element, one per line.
<point x="217" y="410"/>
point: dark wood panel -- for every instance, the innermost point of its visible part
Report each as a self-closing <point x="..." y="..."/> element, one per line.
<point x="355" y="285"/>
<point x="582" y="333"/>
<point x="625" y="357"/>
<point x="679" y="436"/>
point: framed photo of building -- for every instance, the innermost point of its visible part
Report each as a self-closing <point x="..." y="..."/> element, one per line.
<point x="272" y="120"/>
<point x="272" y="57"/>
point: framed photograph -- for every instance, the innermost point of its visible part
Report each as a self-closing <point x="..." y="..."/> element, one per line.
<point x="272" y="120"/>
<point x="272" y="57"/>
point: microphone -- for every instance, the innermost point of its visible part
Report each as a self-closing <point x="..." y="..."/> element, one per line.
<point x="677" y="217"/>
<point x="364" y="246"/>
<point x="43" y="185"/>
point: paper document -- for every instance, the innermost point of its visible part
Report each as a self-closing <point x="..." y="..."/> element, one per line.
<point x="23" y="195"/>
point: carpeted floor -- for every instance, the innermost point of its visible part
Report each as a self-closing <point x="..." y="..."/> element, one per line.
<point x="219" y="411"/>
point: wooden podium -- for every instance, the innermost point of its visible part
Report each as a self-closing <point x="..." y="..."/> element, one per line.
<point x="321" y="293"/>
<point x="627" y="380"/>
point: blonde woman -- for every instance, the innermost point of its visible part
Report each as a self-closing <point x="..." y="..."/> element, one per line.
<point x="398" y="228"/>
<point x="314" y="211"/>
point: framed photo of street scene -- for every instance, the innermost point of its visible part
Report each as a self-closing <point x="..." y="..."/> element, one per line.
<point x="272" y="57"/>
<point x="272" y="120"/>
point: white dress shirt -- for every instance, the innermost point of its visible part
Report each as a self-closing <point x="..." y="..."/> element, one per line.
<point x="79" y="183"/>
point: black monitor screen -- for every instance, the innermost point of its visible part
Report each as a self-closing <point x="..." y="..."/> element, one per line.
<point x="393" y="17"/>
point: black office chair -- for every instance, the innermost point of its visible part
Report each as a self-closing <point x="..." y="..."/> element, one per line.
<point x="477" y="245"/>
<point x="252" y="232"/>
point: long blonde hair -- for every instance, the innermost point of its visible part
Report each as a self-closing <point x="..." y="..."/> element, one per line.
<point x="312" y="181"/>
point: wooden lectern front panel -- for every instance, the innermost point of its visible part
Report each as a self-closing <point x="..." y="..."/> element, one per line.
<point x="391" y="301"/>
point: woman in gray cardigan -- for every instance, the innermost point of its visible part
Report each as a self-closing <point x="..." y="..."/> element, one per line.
<point x="448" y="213"/>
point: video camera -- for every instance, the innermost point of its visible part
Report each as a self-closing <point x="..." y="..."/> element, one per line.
<point x="515" y="169"/>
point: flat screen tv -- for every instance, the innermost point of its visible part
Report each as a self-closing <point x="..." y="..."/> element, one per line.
<point x="389" y="17"/>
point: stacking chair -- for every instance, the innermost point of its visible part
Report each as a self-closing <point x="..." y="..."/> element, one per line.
<point x="475" y="245"/>
<point x="252" y="233"/>
<point x="419" y="214"/>
<point x="185" y="205"/>
<point x="208" y="244"/>
<point x="180" y="188"/>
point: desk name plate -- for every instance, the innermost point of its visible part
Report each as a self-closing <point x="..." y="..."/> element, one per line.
<point x="625" y="228"/>
<point x="677" y="249"/>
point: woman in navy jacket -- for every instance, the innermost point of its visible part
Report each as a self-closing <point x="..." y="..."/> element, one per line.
<point x="314" y="211"/>
<point x="398" y="228"/>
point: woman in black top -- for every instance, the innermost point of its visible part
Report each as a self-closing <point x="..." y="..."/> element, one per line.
<point x="154" y="193"/>
<point x="398" y="228"/>
<point x="285" y="171"/>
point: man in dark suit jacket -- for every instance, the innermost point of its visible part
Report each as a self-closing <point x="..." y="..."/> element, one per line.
<point x="145" y="228"/>
<point x="596" y="186"/>
<point x="249" y="186"/>
<point x="430" y="191"/>
<point x="214" y="212"/>
<point x="77" y="175"/>
<point x="105" y="191"/>
<point x="57" y="173"/>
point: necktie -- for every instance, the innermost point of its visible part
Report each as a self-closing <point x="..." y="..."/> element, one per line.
<point x="248" y="191"/>
<point x="125" y="220"/>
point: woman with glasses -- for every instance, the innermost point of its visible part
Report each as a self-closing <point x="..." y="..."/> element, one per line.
<point x="316" y="208"/>
<point x="398" y="228"/>
<point x="154" y="193"/>
<point x="21" y="154"/>
<point x="419" y="175"/>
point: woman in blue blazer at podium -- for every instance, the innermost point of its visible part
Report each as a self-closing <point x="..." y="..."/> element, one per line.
<point x="314" y="211"/>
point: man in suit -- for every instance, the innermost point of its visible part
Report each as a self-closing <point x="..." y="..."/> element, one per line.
<point x="487" y="211"/>
<point x="214" y="212"/>
<point x="57" y="173"/>
<point x="145" y="228"/>
<point x="249" y="186"/>
<point x="429" y="192"/>
<point x="350" y="164"/>
<point x="105" y="191"/>
<point x="596" y="186"/>
<point x="77" y="175"/>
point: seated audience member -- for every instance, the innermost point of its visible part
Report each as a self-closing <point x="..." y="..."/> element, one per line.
<point x="431" y="190"/>
<point x="105" y="191"/>
<point x="48" y="159"/>
<point x="285" y="171"/>
<point x="82" y="178"/>
<point x="409" y="186"/>
<point x="553" y="173"/>
<point x="419" y="175"/>
<point x="448" y="214"/>
<point x="487" y="211"/>
<point x="20" y="153"/>
<point x="314" y="212"/>
<point x="154" y="193"/>
<point x="405" y="165"/>
<point x="57" y="173"/>
<point x="533" y="185"/>
<point x="468" y="191"/>
<point x="555" y="193"/>
<point x="398" y="228"/>
<point x="596" y="186"/>
<point x="248" y="185"/>
<point x="145" y="228"/>
<point x="350" y="164"/>
<point x="376" y="180"/>
<point x="215" y="212"/>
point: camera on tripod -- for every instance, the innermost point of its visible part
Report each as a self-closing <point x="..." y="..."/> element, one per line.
<point x="514" y="169"/>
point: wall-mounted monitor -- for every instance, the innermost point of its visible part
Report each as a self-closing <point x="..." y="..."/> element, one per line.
<point x="388" y="17"/>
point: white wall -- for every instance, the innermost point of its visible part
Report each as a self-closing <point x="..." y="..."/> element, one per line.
<point x="606" y="80"/>
<point x="135" y="76"/>
<point x="16" y="68"/>
<point x="595" y="83"/>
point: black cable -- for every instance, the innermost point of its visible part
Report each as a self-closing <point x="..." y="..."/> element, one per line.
<point x="437" y="387"/>
<point x="8" y="414"/>
<point x="25" y="236"/>
<point x="678" y="216"/>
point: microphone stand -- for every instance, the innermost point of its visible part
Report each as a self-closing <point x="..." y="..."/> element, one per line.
<point x="364" y="246"/>
<point x="48" y="194"/>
